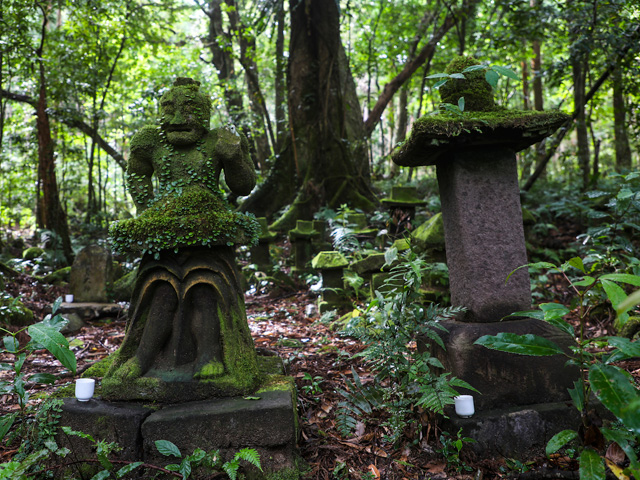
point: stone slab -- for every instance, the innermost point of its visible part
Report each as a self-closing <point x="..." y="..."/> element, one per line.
<point x="110" y="421"/>
<point x="91" y="274"/>
<point x="93" y="310"/>
<point x="228" y="424"/>
<point x="517" y="432"/>
<point x="506" y="379"/>
<point x="484" y="236"/>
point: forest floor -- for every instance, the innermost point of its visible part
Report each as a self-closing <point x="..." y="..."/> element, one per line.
<point x="319" y="358"/>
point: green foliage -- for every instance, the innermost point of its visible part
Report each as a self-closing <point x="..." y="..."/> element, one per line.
<point x="406" y="377"/>
<point x="451" y="448"/>
<point x="610" y="384"/>
<point x="45" y="334"/>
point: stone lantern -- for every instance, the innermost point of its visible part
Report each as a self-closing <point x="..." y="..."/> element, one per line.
<point x="475" y="158"/>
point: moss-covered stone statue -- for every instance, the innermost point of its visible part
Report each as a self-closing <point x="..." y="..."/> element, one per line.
<point x="187" y="336"/>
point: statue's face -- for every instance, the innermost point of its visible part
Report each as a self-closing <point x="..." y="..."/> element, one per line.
<point x="184" y="115"/>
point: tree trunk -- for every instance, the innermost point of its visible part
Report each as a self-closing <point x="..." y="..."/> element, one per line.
<point x="49" y="212"/>
<point x="579" y="91"/>
<point x="280" y="86"/>
<point x="325" y="158"/>
<point x="623" y="151"/>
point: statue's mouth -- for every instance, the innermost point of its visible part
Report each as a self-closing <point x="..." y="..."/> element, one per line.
<point x="179" y="128"/>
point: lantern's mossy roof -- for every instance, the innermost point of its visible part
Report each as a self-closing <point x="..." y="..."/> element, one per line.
<point x="434" y="136"/>
<point x="329" y="260"/>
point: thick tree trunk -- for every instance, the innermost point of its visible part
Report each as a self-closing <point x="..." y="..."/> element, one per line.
<point x="326" y="158"/>
<point x="623" y="151"/>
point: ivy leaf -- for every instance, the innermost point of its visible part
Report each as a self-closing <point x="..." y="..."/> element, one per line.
<point x="474" y="68"/>
<point x="128" y="469"/>
<point x="439" y="83"/>
<point x="439" y="75"/>
<point x="459" y="76"/>
<point x="461" y="104"/>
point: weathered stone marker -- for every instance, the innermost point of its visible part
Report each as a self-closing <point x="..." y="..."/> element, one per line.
<point x="188" y="348"/>
<point x="475" y="161"/>
<point x="90" y="276"/>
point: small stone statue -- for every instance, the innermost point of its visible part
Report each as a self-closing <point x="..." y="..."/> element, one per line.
<point x="187" y="334"/>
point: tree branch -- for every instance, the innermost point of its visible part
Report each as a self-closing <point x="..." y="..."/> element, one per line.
<point x="410" y="67"/>
<point x="71" y="122"/>
<point x="566" y="127"/>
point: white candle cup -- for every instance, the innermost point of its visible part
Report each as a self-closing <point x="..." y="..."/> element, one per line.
<point x="68" y="298"/>
<point x="85" y="388"/>
<point x="464" y="406"/>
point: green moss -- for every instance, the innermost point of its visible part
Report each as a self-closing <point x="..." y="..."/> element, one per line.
<point x="270" y="364"/>
<point x="32" y="253"/>
<point x="13" y="312"/>
<point x="329" y="260"/>
<point x="210" y="370"/>
<point x="197" y="217"/>
<point x="448" y="125"/>
<point x="100" y="368"/>
<point x="430" y="234"/>
<point x="277" y="382"/>
<point x="477" y="93"/>
<point x="58" y="277"/>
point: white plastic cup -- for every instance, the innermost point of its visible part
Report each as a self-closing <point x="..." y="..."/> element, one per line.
<point x="464" y="406"/>
<point x="85" y="388"/>
<point x="68" y="298"/>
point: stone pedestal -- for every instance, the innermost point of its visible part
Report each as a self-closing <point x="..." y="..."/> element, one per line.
<point x="331" y="266"/>
<point x="91" y="272"/>
<point x="484" y="236"/>
<point x="260" y="253"/>
<point x="301" y="239"/>
<point x="267" y="422"/>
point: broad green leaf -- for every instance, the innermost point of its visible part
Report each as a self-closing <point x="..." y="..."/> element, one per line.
<point x="439" y="75"/>
<point x="43" y="378"/>
<point x="505" y="72"/>
<point x="185" y="468"/>
<point x="575" y="262"/>
<point x="439" y="83"/>
<point x="623" y="277"/>
<point x="591" y="466"/>
<point x="5" y="424"/>
<point x="197" y="455"/>
<point x="461" y="104"/>
<point x="630" y="302"/>
<point x="577" y="395"/>
<point x="459" y="76"/>
<point x="625" y="439"/>
<point x="10" y="344"/>
<point x="559" y="440"/>
<point x="615" y="293"/>
<point x="521" y="344"/>
<point x="553" y="310"/>
<point x="390" y="255"/>
<point x="56" y="322"/>
<point x="69" y="431"/>
<point x="492" y="78"/>
<point x="166" y="448"/>
<point x="538" y="314"/>
<point x="17" y="366"/>
<point x="55" y="343"/>
<point x="586" y="281"/>
<point x="614" y="389"/>
<point x="474" y="68"/>
<point x="101" y="475"/>
<point x="128" y="469"/>
<point x="5" y="366"/>
<point x="625" y="348"/>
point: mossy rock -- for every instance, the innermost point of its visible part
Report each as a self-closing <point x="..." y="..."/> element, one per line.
<point x="123" y="287"/>
<point x="32" y="253"/>
<point x="197" y="217"/>
<point x="630" y="329"/>
<point x="59" y="277"/>
<point x="430" y="234"/>
<point x="477" y="93"/>
<point x="329" y="261"/>
<point x="13" y="312"/>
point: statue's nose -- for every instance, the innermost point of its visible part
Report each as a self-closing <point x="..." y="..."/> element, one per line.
<point x="177" y="118"/>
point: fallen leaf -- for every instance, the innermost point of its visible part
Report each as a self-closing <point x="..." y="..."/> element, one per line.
<point x="372" y="468"/>
<point x="615" y="469"/>
<point x="376" y="451"/>
<point x="615" y="454"/>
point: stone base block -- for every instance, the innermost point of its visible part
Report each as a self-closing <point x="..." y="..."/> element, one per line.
<point x="266" y="422"/>
<point x="517" y="432"/>
<point x="109" y="421"/>
<point x="506" y="379"/>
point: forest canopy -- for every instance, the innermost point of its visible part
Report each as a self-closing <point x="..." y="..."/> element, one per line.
<point x="324" y="91"/>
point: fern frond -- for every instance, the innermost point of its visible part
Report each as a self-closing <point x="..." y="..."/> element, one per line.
<point x="249" y="455"/>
